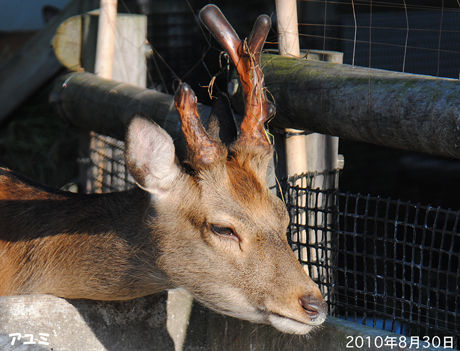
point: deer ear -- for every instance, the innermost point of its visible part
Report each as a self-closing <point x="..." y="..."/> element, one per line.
<point x="150" y="156"/>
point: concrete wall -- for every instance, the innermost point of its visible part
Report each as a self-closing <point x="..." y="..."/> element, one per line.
<point x="141" y="324"/>
<point x="76" y="325"/>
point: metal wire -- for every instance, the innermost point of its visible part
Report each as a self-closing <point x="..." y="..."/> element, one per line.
<point x="406" y="36"/>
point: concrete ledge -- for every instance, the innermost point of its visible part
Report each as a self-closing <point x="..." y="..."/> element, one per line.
<point x="138" y="325"/>
<point x="76" y="325"/>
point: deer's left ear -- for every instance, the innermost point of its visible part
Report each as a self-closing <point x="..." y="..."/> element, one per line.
<point x="150" y="156"/>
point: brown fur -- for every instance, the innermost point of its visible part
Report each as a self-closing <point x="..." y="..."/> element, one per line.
<point x="57" y="243"/>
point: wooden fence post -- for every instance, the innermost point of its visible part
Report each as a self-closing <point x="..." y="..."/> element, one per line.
<point x="288" y="36"/>
<point x="128" y="65"/>
<point x="103" y="67"/>
<point x="307" y="153"/>
<point x="295" y="140"/>
<point x="106" y="38"/>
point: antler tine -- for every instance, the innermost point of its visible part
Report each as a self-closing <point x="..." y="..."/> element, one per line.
<point x="217" y="24"/>
<point x="202" y="149"/>
<point x="246" y="57"/>
<point x="258" y="35"/>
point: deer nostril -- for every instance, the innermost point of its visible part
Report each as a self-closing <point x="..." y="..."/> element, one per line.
<point x="311" y="306"/>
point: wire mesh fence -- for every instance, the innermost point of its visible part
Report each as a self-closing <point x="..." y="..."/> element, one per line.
<point x="105" y="169"/>
<point x="388" y="264"/>
<point x="416" y="36"/>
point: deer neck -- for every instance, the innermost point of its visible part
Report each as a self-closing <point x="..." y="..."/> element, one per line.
<point x="102" y="237"/>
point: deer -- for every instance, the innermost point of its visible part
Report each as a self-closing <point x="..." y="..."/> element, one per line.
<point x="208" y="225"/>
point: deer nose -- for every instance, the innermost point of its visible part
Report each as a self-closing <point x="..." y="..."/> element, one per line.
<point x="314" y="308"/>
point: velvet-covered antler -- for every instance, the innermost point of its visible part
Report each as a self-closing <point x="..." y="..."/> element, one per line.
<point x="246" y="57"/>
<point x="202" y="149"/>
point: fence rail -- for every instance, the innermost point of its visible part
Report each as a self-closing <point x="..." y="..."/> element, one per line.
<point x="407" y="111"/>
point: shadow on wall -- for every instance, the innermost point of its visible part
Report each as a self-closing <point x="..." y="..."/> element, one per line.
<point x="43" y="322"/>
<point x="128" y="325"/>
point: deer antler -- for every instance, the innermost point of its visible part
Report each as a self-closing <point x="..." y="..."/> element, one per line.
<point x="246" y="57"/>
<point x="202" y="149"/>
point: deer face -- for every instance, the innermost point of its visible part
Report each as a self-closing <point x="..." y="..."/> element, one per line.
<point x="219" y="232"/>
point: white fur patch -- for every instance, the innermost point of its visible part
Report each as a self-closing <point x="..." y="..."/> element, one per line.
<point x="232" y="302"/>
<point x="287" y="325"/>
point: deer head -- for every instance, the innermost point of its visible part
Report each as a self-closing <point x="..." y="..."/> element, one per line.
<point x="219" y="232"/>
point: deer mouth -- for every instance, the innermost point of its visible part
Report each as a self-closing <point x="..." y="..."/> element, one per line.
<point x="293" y="326"/>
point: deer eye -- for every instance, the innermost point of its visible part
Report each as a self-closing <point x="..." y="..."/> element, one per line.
<point x="226" y="232"/>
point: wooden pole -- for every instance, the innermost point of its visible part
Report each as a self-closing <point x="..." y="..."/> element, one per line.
<point x="288" y="36"/>
<point x="105" y="49"/>
<point x="128" y="64"/>
<point x="106" y="38"/>
<point x="295" y="140"/>
<point x="288" y="43"/>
